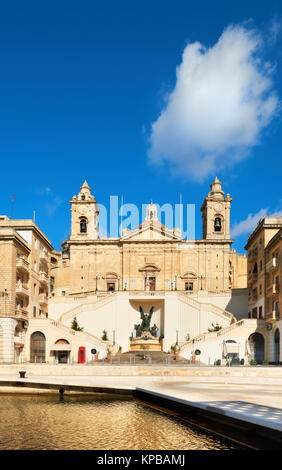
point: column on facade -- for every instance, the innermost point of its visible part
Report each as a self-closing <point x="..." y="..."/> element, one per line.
<point x="8" y="326"/>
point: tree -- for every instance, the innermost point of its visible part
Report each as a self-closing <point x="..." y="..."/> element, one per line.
<point x="105" y="336"/>
<point x="75" y="326"/>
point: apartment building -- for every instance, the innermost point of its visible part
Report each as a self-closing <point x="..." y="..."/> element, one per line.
<point x="24" y="280"/>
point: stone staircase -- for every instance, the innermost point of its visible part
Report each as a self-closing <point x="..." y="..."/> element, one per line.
<point x="147" y="357"/>
<point x="220" y="312"/>
<point x="244" y="327"/>
<point x="100" y="302"/>
<point x="65" y="331"/>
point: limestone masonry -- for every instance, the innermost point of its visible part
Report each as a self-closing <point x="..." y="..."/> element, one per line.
<point x="61" y="306"/>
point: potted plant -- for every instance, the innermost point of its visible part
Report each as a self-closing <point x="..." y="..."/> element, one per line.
<point x="265" y="362"/>
<point x="172" y="349"/>
<point x="119" y="349"/>
<point x="253" y="362"/>
<point x="109" y="353"/>
<point x="177" y="351"/>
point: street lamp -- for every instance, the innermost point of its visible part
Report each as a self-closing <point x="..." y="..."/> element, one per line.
<point x="201" y="277"/>
<point x="97" y="277"/>
<point x="176" y="336"/>
<point x="118" y="283"/>
<point x="114" y="337"/>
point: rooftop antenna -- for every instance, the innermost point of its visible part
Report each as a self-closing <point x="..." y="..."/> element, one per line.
<point x="34" y="216"/>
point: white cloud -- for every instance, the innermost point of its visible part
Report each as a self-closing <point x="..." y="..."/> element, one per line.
<point x="222" y="100"/>
<point x="249" y="224"/>
<point x="53" y="205"/>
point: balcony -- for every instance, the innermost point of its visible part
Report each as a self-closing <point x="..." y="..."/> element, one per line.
<point x="44" y="256"/>
<point x="22" y="264"/>
<point x="273" y="289"/>
<point x="272" y="264"/>
<point x="253" y="254"/>
<point x="21" y="313"/>
<point x="252" y="277"/>
<point x="273" y="316"/>
<point x="43" y="277"/>
<point x="43" y="299"/>
<point x="22" y="289"/>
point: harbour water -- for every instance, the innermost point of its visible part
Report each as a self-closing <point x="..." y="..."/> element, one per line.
<point x="41" y="422"/>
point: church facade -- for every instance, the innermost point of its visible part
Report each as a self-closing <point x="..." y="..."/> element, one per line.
<point x="149" y="257"/>
<point x="110" y="287"/>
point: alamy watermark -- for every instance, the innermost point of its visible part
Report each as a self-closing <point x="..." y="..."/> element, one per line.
<point x="123" y="217"/>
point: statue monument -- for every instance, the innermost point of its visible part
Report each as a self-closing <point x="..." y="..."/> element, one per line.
<point x="144" y="336"/>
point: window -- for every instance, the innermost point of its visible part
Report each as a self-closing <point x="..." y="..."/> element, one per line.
<point x="260" y="265"/>
<point x="37" y="347"/>
<point x="217" y="224"/>
<point x="260" y="289"/>
<point x="83" y="226"/>
<point x="83" y="197"/>
<point x="260" y="312"/>
<point x="52" y="283"/>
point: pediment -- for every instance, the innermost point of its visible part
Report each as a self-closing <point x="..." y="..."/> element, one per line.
<point x="150" y="267"/>
<point x="150" y="231"/>
<point x="189" y="275"/>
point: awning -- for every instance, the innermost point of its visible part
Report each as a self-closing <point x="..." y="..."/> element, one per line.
<point x="60" y="347"/>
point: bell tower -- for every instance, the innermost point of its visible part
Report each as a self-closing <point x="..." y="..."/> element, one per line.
<point x="84" y="215"/>
<point x="216" y="213"/>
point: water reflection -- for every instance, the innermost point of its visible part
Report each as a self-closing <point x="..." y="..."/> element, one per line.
<point x="104" y="423"/>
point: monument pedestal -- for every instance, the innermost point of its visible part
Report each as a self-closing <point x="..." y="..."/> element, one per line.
<point x="146" y="342"/>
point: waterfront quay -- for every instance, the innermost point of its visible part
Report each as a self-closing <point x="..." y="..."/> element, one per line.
<point x="248" y="397"/>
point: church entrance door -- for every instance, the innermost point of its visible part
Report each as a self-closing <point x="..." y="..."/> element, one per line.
<point x="152" y="283"/>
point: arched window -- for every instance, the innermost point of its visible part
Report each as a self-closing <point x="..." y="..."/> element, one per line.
<point x="217" y="224"/>
<point x="83" y="226"/>
<point x="37" y="347"/>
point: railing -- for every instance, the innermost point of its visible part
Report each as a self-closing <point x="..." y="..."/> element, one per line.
<point x="103" y="344"/>
<point x="86" y="306"/>
<point x="252" y="277"/>
<point x="272" y="264"/>
<point x="22" y="263"/>
<point x="22" y="288"/>
<point x="273" y="289"/>
<point x="211" y="307"/>
<point x="21" y="312"/>
<point x="43" y="276"/>
<point x="274" y="315"/>
<point x="43" y="255"/>
<point x="144" y="293"/>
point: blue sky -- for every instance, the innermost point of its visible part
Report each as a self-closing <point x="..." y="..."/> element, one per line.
<point x="82" y="83"/>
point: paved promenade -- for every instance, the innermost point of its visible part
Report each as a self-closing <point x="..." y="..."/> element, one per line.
<point x="250" y="397"/>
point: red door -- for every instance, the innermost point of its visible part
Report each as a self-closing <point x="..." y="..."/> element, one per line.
<point x="81" y="355"/>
